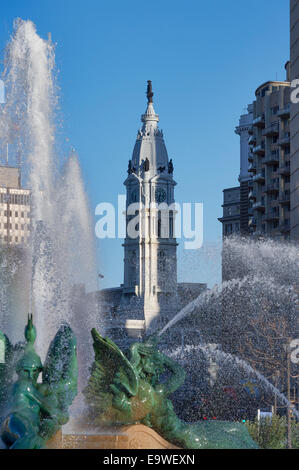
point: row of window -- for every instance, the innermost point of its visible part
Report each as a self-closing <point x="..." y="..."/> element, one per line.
<point x="14" y="239"/>
<point x="231" y="228"/>
<point x="21" y="214"/>
<point x="21" y="199"/>
<point x="16" y="226"/>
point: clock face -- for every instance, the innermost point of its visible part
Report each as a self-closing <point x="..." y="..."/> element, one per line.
<point x="160" y="195"/>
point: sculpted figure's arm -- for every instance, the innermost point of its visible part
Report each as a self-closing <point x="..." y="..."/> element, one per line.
<point x="178" y="376"/>
<point x="42" y="402"/>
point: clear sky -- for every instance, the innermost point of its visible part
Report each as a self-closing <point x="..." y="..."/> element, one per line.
<point x="205" y="59"/>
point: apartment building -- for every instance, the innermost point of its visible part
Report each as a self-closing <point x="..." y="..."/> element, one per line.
<point x="294" y="126"/>
<point x="269" y="158"/>
<point x="14" y="208"/>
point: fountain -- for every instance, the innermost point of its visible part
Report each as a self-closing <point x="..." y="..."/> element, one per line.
<point x="261" y="280"/>
<point x="61" y="254"/>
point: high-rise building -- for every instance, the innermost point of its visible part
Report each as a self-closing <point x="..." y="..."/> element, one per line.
<point x="270" y="160"/>
<point x="294" y="125"/>
<point x="14" y="208"/>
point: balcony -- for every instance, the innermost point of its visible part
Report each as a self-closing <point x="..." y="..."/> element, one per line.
<point x="272" y="188"/>
<point x="252" y="195"/>
<point x="252" y="140"/>
<point x="252" y="222"/>
<point x="260" y="178"/>
<point x="250" y="130"/>
<point x="272" y="159"/>
<point x="250" y="157"/>
<point x="259" y="206"/>
<point x="285" y="227"/>
<point x="284" y="199"/>
<point x="284" y="170"/>
<point x="252" y="168"/>
<point x="285" y="141"/>
<point x="259" y="149"/>
<point x="259" y="121"/>
<point x="285" y="112"/>
<point x="271" y="130"/>
<point x="271" y="217"/>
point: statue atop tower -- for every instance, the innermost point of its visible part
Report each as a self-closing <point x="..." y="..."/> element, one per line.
<point x="149" y="92"/>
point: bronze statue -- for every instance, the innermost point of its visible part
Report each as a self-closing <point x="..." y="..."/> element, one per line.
<point x="149" y="92"/>
<point x="35" y="411"/>
<point x="126" y="389"/>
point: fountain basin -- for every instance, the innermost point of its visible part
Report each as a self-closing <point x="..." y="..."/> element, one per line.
<point x="136" y="436"/>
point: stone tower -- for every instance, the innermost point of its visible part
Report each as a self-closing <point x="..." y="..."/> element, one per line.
<point x="150" y="265"/>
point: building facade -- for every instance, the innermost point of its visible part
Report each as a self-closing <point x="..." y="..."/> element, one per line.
<point x="245" y="176"/>
<point x="294" y="125"/>
<point x="14" y="208"/>
<point x="231" y="212"/>
<point x="269" y="159"/>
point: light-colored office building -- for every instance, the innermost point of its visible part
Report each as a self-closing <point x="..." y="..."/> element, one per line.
<point x="294" y="125"/>
<point x="269" y="157"/>
<point x="14" y="208"/>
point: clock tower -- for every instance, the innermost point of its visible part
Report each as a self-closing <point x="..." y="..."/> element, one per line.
<point x="150" y="265"/>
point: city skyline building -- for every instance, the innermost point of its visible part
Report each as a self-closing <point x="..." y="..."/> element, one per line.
<point x="269" y="158"/>
<point x="14" y="208"/>
<point x="264" y="192"/>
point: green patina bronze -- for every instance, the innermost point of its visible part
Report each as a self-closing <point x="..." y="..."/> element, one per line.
<point x="31" y="412"/>
<point x="125" y="389"/>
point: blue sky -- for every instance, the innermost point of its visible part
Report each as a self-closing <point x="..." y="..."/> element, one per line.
<point x="205" y="60"/>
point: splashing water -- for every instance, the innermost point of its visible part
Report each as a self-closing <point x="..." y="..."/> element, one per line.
<point x="225" y="358"/>
<point x="249" y="263"/>
<point x="61" y="254"/>
<point x="262" y="282"/>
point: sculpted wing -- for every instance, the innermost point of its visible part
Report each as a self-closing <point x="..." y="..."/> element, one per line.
<point x="7" y="361"/>
<point x="110" y="367"/>
<point x="60" y="374"/>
